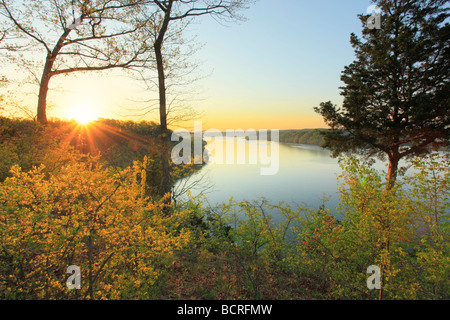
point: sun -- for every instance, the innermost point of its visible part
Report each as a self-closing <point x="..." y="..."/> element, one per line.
<point x="83" y="114"/>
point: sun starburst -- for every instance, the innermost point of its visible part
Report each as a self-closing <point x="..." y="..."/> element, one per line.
<point x="83" y="114"/>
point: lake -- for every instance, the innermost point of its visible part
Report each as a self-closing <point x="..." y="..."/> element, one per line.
<point x="305" y="175"/>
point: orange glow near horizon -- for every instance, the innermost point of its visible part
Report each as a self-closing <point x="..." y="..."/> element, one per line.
<point x="269" y="121"/>
<point x="94" y="96"/>
<point x="83" y="114"/>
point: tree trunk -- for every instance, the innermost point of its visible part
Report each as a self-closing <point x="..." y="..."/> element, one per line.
<point x="394" y="159"/>
<point x="165" y="183"/>
<point x="166" y="186"/>
<point x="43" y="91"/>
<point x="46" y="76"/>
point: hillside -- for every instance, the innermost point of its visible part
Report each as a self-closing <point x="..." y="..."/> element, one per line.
<point x="304" y="136"/>
<point x="117" y="143"/>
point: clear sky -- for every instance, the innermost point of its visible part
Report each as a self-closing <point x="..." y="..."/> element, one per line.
<point x="265" y="73"/>
<point x="270" y="71"/>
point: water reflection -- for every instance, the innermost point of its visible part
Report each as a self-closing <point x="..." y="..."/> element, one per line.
<point x="306" y="174"/>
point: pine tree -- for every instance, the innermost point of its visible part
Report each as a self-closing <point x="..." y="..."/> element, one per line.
<point x="396" y="93"/>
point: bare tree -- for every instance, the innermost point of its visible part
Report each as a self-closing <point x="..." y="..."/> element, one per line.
<point x="169" y="14"/>
<point x="75" y="36"/>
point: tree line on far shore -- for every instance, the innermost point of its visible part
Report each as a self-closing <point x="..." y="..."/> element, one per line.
<point x="304" y="136"/>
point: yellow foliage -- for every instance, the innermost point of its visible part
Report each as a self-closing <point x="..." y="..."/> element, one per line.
<point x="86" y="217"/>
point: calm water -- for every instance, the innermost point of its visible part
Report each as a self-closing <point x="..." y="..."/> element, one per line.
<point x="306" y="174"/>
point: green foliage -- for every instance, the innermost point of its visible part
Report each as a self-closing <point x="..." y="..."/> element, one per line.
<point x="306" y="136"/>
<point x="429" y="192"/>
<point x="311" y="254"/>
<point x="29" y="144"/>
<point x="66" y="207"/>
<point x="396" y="92"/>
<point x="388" y="228"/>
<point x="118" y="142"/>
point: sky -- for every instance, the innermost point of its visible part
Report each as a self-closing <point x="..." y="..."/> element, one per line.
<point x="267" y="72"/>
<point x="272" y="70"/>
